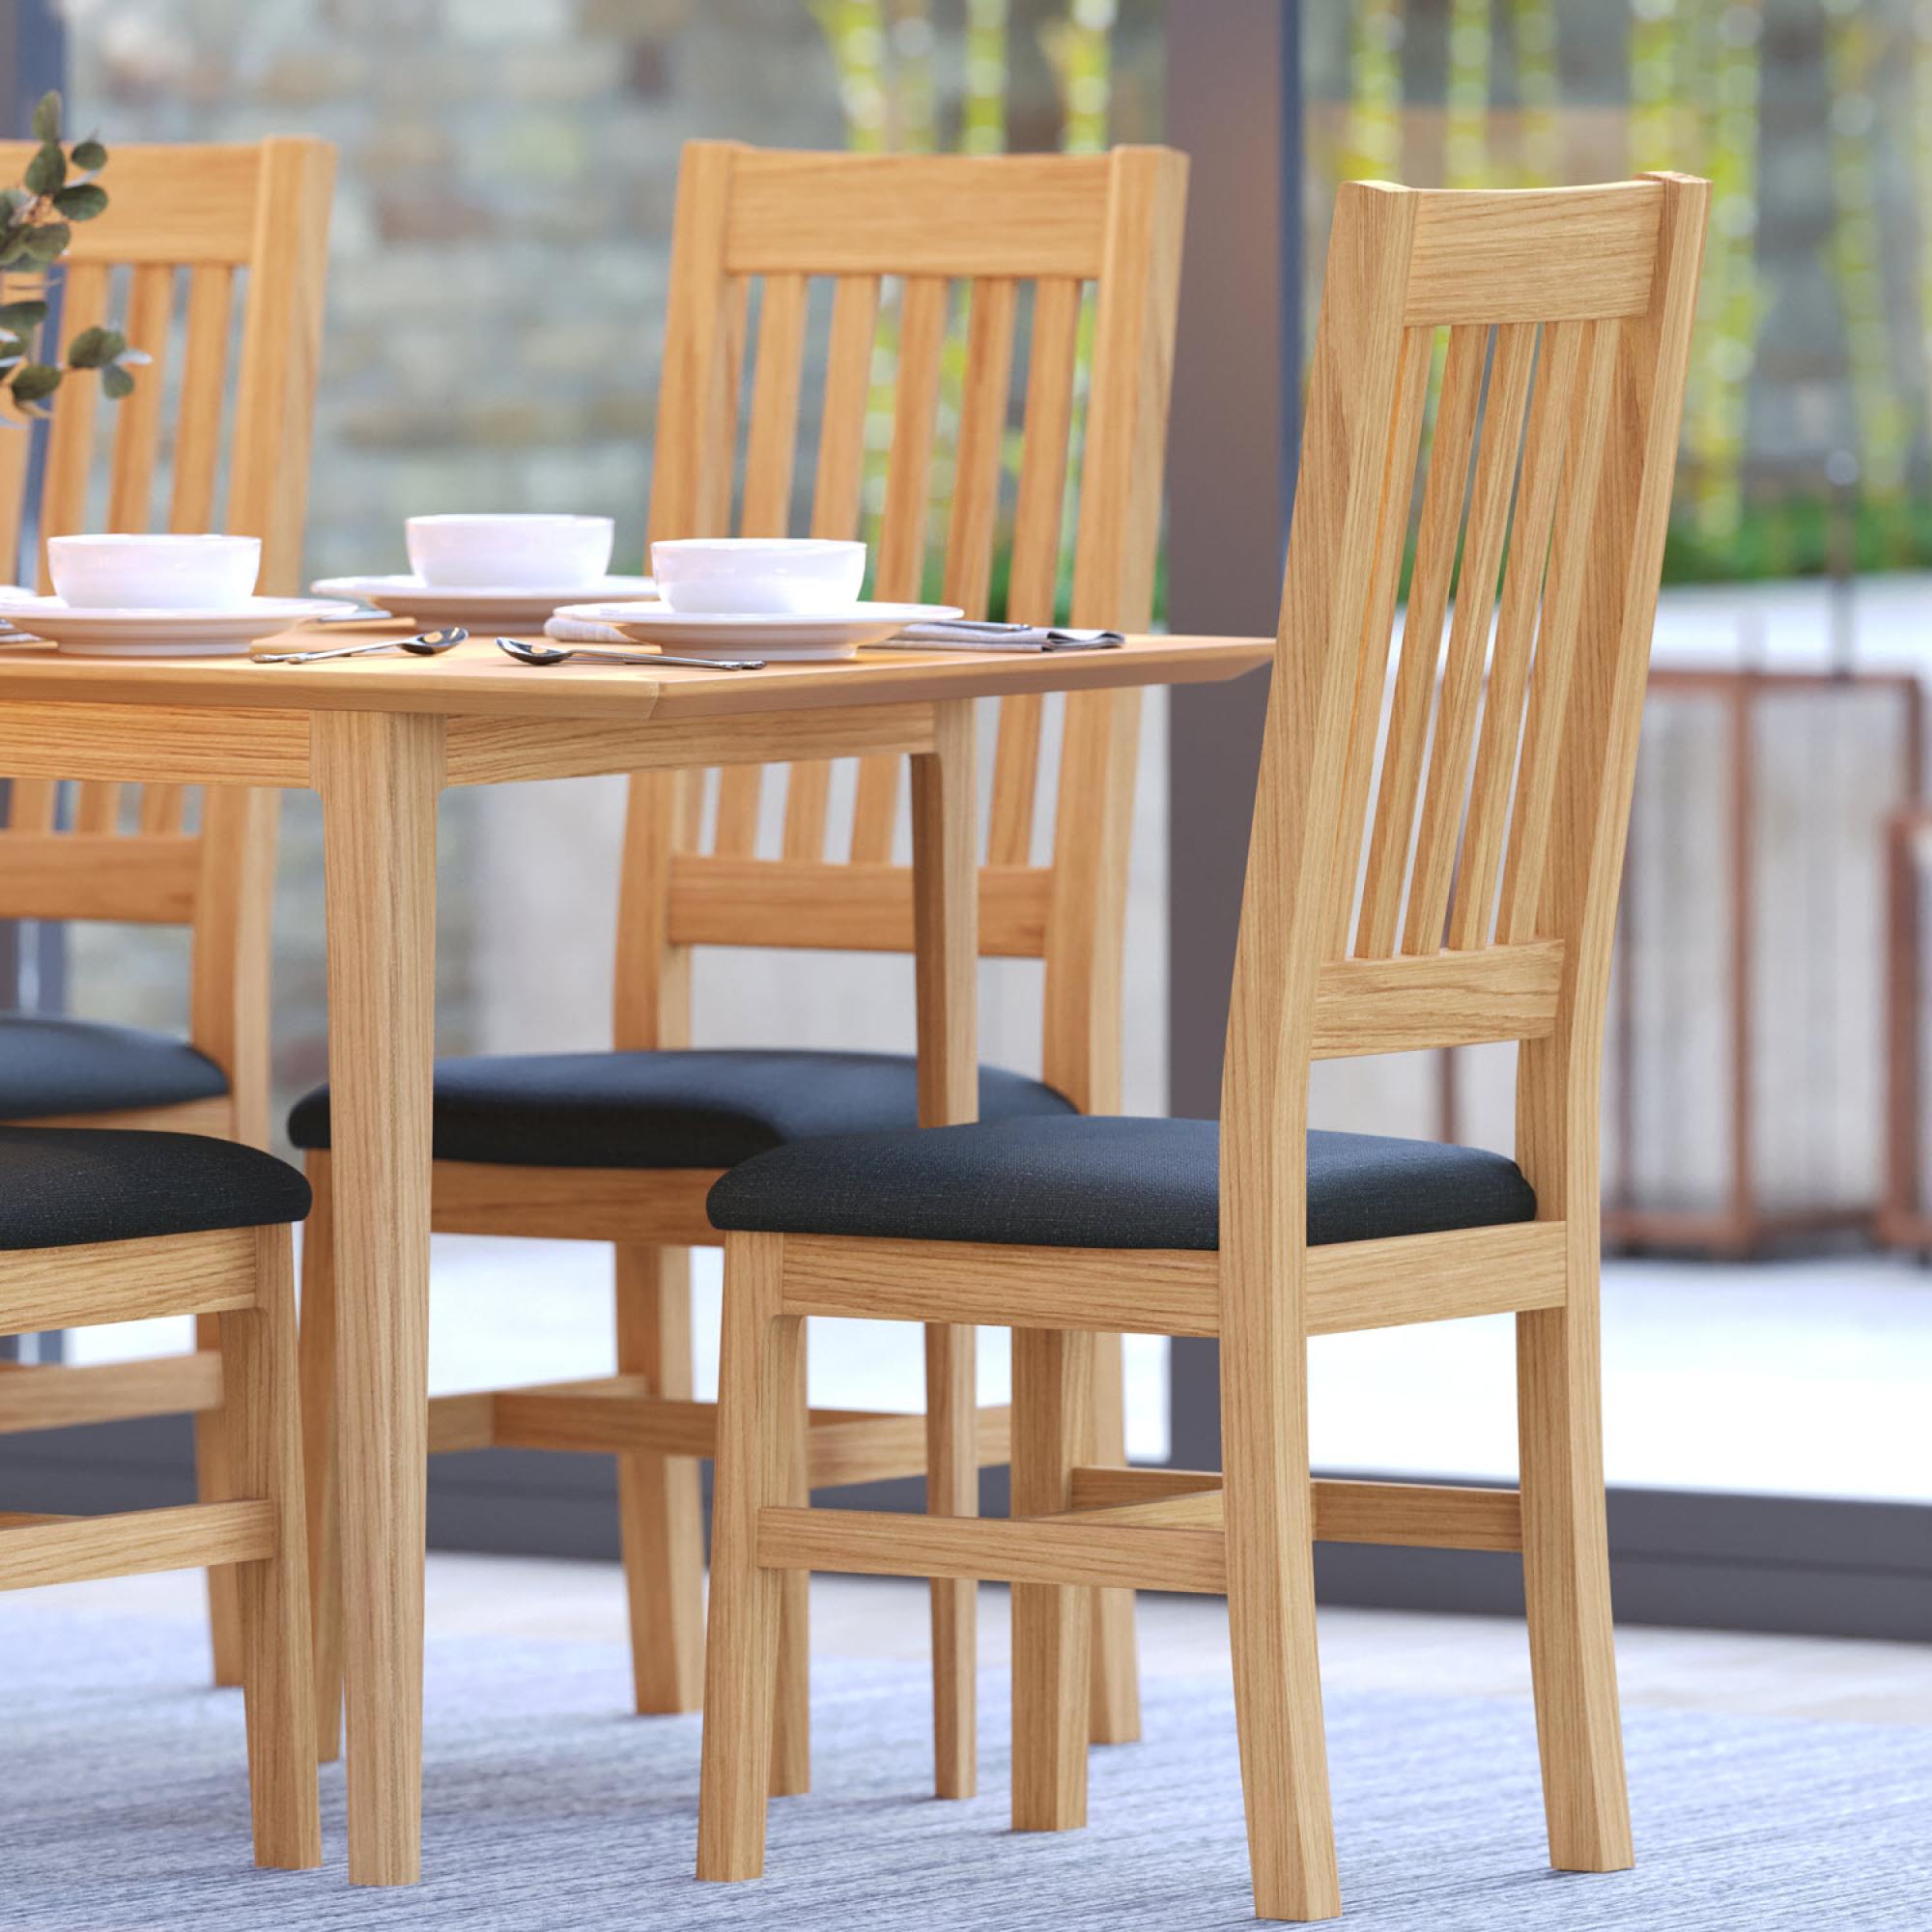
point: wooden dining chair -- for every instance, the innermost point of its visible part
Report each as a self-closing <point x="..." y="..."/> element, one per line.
<point x="194" y="240"/>
<point x="622" y="1147"/>
<point x="100" y="1224"/>
<point x="1475" y="903"/>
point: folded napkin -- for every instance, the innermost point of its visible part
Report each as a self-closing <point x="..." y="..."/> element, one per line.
<point x="962" y="637"/>
<point x="580" y="630"/>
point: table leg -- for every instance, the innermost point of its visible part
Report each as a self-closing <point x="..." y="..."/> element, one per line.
<point x="946" y="909"/>
<point x="379" y="775"/>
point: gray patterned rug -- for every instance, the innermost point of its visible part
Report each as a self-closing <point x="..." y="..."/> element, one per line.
<point x="547" y="1811"/>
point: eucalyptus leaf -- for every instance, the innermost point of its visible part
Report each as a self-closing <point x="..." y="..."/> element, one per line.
<point x="47" y="118"/>
<point x="47" y="170"/>
<point x="11" y="201"/>
<point x="90" y="155"/>
<point x="13" y="248"/>
<point x="48" y="242"/>
<point x="22" y="315"/>
<point x="93" y="347"/>
<point x="81" y="202"/>
<point x="35" y="380"/>
<point x="116" y="382"/>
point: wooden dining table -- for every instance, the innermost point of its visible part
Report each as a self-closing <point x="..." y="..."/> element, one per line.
<point x="380" y="738"/>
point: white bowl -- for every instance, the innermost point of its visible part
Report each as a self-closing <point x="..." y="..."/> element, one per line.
<point x="746" y="576"/>
<point x="509" y="551"/>
<point x="154" y="573"/>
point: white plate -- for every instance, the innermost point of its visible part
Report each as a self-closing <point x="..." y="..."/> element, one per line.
<point x="510" y="607"/>
<point x="226" y="632"/>
<point x="774" y="635"/>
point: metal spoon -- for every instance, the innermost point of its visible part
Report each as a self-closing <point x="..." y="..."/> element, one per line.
<point x="429" y="645"/>
<point x="549" y="654"/>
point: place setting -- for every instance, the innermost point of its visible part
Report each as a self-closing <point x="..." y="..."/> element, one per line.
<point x="787" y="600"/>
<point x="183" y="595"/>
<point x="492" y="570"/>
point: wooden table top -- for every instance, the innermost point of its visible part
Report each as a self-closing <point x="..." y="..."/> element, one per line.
<point x="477" y="680"/>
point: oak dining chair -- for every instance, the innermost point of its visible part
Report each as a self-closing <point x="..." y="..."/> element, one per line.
<point x="1473" y="902"/>
<point x="212" y="260"/>
<point x="103" y="1225"/>
<point x="913" y="258"/>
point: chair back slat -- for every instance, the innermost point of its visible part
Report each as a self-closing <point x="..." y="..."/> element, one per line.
<point x="137" y="418"/>
<point x="1516" y="634"/>
<point x="71" y="435"/>
<point x="945" y="274"/>
<point x="849" y="388"/>
<point x="900" y="566"/>
<point x="1563" y="607"/>
<point x="740" y="789"/>
<point x="1544" y="506"/>
<point x="97" y="807"/>
<point x="163" y="807"/>
<point x="1034" y="572"/>
<point x="210" y="306"/>
<point x="980" y="454"/>
<point x="1398" y="491"/>
<point x="1444" y="496"/>
<point x="772" y="444"/>
<point x="1461" y="689"/>
<point x="184" y="228"/>
<point x="31" y="804"/>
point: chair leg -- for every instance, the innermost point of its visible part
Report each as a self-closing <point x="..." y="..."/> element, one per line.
<point x="953" y="1488"/>
<point x="1270" y="1513"/>
<point x="757" y="1394"/>
<point x="214" y="1483"/>
<point x="1053" y="1624"/>
<point x="323" y="1489"/>
<point x="658" y="1503"/>
<point x="1567" y="1585"/>
<point x="260" y="1394"/>
<point x="1115" y="1714"/>
<point x="791" y="1721"/>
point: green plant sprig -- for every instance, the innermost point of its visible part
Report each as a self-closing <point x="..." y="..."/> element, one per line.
<point x="37" y="220"/>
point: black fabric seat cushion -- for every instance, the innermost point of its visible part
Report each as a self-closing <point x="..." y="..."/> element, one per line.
<point x="50" y="1066"/>
<point x="64" y="1187"/>
<point x="1102" y="1183"/>
<point x="688" y="1108"/>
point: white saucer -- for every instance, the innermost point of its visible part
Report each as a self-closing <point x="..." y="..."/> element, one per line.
<point x="224" y="632"/>
<point x="774" y="635"/>
<point x="510" y="607"/>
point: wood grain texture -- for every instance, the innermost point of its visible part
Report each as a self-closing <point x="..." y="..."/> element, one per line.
<point x="316" y="1348"/>
<point x="1549" y="415"/>
<point x="379" y="776"/>
<point x="899" y="215"/>
<point x="263" y="1445"/>
<point x="1441" y="999"/>
<point x="64" y="1396"/>
<point x="124" y="1281"/>
<point x="1053" y="1398"/>
<point x="1435" y="553"/>
<point x="757" y="1379"/>
<point x="1172" y="1291"/>
<point x="1446" y="788"/>
<point x="946" y="994"/>
<point x="658" y="1510"/>
<point x="1566" y="1567"/>
<point x="78" y="1550"/>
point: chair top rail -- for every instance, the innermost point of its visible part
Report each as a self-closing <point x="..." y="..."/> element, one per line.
<point x="173" y="203"/>
<point x="867" y="214"/>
